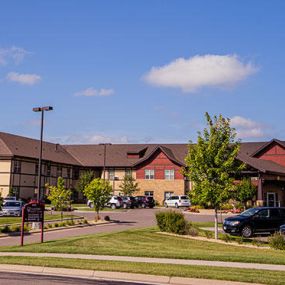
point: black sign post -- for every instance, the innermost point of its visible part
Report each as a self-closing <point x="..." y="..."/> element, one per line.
<point x="33" y="212"/>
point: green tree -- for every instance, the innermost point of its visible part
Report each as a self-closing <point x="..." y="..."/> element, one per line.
<point x="245" y="191"/>
<point x="84" y="179"/>
<point x="211" y="164"/>
<point x="59" y="196"/>
<point x="129" y="186"/>
<point x="98" y="191"/>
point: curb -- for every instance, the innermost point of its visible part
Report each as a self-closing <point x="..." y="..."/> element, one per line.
<point x="113" y="276"/>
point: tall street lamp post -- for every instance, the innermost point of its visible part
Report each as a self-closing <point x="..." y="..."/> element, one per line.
<point x="42" y="110"/>
<point x="104" y="158"/>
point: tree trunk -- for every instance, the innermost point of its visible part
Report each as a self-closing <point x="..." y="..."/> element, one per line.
<point x="216" y="223"/>
<point x="61" y="215"/>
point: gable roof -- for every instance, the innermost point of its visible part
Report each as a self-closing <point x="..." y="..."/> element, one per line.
<point x="166" y="150"/>
<point x="117" y="154"/>
<point x="264" y="166"/>
<point x="265" y="145"/>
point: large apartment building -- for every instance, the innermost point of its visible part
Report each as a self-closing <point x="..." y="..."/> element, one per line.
<point x="156" y="167"/>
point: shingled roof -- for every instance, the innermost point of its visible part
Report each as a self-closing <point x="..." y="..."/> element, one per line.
<point x="117" y="154"/>
<point x="13" y="145"/>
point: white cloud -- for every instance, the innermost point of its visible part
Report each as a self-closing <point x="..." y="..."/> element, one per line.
<point x="91" y="139"/>
<point x="14" y="54"/>
<point x="201" y="71"/>
<point x="89" y="92"/>
<point x="23" y="78"/>
<point x="247" y="128"/>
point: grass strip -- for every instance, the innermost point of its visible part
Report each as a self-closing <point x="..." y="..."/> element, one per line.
<point x="48" y="217"/>
<point x="149" y="243"/>
<point x="207" y="272"/>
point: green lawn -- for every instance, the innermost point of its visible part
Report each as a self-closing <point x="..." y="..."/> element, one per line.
<point x="48" y="217"/>
<point x="149" y="243"/>
<point x="222" y="273"/>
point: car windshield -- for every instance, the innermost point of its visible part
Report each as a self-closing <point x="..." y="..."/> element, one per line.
<point x="184" y="197"/>
<point x="249" y="212"/>
<point x="12" y="204"/>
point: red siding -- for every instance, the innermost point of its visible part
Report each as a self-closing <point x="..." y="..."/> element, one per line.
<point x="159" y="162"/>
<point x="274" y="153"/>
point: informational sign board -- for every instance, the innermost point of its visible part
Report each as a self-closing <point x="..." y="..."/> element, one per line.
<point x="33" y="212"/>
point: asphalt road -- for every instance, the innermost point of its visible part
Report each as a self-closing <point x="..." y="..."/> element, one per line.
<point x="31" y="279"/>
<point x="131" y="219"/>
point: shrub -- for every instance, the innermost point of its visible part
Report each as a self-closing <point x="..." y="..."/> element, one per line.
<point x="192" y="231"/>
<point x="85" y="221"/>
<point x="171" y="221"/>
<point x="49" y="225"/>
<point x="62" y="224"/>
<point x="56" y="225"/>
<point x="5" y="229"/>
<point x="15" y="228"/>
<point x="209" y="234"/>
<point x="107" y="218"/>
<point x="226" y="237"/>
<point x="277" y="241"/>
<point x="70" y="223"/>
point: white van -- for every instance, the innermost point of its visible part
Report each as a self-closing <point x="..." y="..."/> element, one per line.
<point x="177" y="201"/>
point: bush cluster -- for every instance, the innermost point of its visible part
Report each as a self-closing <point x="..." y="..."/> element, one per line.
<point x="172" y="222"/>
<point x="277" y="241"/>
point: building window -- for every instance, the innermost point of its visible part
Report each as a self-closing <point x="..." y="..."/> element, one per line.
<point x="128" y="172"/>
<point x="58" y="171"/>
<point x="36" y="168"/>
<point x="169" y="174"/>
<point x="148" y="193"/>
<point x="75" y="173"/>
<point x="17" y="166"/>
<point x="48" y="168"/>
<point x="167" y="195"/>
<point x="111" y="174"/>
<point x="68" y="172"/>
<point x="149" y="174"/>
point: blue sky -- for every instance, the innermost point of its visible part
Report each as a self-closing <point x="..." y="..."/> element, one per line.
<point x="141" y="71"/>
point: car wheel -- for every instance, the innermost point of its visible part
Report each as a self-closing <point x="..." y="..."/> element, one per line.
<point x="165" y="205"/>
<point x="113" y="206"/>
<point x="246" y="231"/>
<point x="176" y="206"/>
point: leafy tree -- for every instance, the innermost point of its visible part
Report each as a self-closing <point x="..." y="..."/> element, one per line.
<point x="245" y="191"/>
<point x="59" y="196"/>
<point x="211" y="164"/>
<point x="98" y="191"/>
<point x="129" y="186"/>
<point x="84" y="179"/>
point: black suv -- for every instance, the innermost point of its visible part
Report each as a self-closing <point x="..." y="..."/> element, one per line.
<point x="145" y="201"/>
<point x="260" y="219"/>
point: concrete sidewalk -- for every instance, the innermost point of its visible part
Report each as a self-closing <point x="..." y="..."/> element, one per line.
<point x="113" y="276"/>
<point x="192" y="262"/>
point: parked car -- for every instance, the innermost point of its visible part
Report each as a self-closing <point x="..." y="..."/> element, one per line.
<point x="282" y="229"/>
<point x="114" y="202"/>
<point x="145" y="201"/>
<point x="130" y="202"/>
<point x="12" y="208"/>
<point x="177" y="201"/>
<point x="254" y="220"/>
<point x="10" y="198"/>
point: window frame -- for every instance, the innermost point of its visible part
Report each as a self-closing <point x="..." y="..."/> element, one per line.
<point x="170" y="175"/>
<point x="149" y="174"/>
